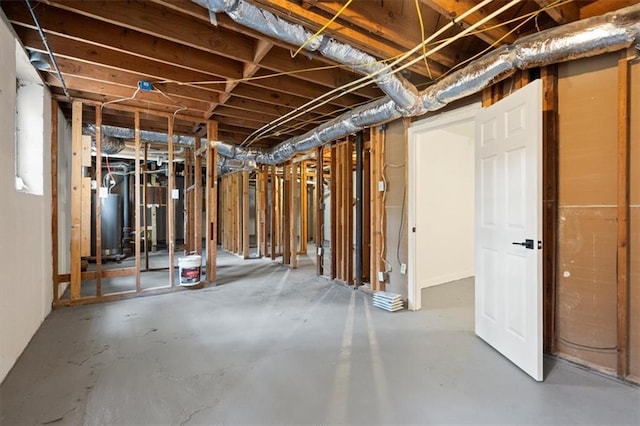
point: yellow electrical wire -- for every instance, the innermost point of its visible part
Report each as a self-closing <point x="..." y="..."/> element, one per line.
<point x="528" y="15"/>
<point x="324" y="27"/>
<point x="424" y="47"/>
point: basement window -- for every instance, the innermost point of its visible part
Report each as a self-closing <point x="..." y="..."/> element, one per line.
<point x="29" y="137"/>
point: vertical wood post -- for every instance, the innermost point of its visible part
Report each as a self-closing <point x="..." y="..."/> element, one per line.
<point x="319" y="222"/>
<point x="262" y="222"/>
<point x="286" y="215"/>
<point x="245" y="216"/>
<point x="334" y="208"/>
<point x="54" y="200"/>
<point x="549" y="78"/>
<point x="623" y="215"/>
<point x="304" y="208"/>
<point x="293" y="215"/>
<point x="273" y="233"/>
<point x="137" y="197"/>
<point x="142" y="210"/>
<point x="171" y="205"/>
<point x="76" y="199"/>
<point x="197" y="202"/>
<point x="98" y="201"/>
<point x="212" y="200"/>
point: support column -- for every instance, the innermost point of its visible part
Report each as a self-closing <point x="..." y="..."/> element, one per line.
<point x="623" y="215"/>
<point x="171" y="211"/>
<point x="212" y="201"/>
<point x="359" y="212"/>
<point x="245" y="216"/>
<point x="76" y="199"/>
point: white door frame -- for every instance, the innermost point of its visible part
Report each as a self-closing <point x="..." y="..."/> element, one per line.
<point x="446" y="119"/>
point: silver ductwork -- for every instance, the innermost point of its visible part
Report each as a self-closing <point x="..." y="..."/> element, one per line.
<point x="590" y="37"/>
<point x="145" y="135"/>
<point x="403" y="92"/>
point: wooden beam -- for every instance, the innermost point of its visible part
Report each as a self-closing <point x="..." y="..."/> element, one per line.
<point x="275" y="216"/>
<point x="452" y="8"/>
<point x="98" y="201"/>
<point x="562" y="13"/>
<point x="171" y="206"/>
<point x="304" y="208"/>
<point x="103" y="34"/>
<point x="161" y="22"/>
<point x="601" y="7"/>
<point x="333" y="189"/>
<point x="286" y="214"/>
<point x="55" y="143"/>
<point x="246" y="252"/>
<point x="197" y="202"/>
<point x="293" y="215"/>
<point x="319" y="222"/>
<point x="76" y="199"/>
<point x="137" y="199"/>
<point x="549" y="76"/>
<point x="624" y="194"/>
<point x="347" y="33"/>
<point x="212" y="201"/>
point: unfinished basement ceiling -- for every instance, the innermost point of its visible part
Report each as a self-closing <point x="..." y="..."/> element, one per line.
<point x="243" y="79"/>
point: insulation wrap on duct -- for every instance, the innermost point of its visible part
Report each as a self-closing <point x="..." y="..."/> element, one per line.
<point x="110" y="145"/>
<point x="145" y="135"/>
<point x="396" y="87"/>
<point x="376" y="112"/>
<point x="590" y="37"/>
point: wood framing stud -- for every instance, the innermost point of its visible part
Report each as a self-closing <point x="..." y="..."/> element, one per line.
<point x="623" y="215"/>
<point x="76" y="199"/>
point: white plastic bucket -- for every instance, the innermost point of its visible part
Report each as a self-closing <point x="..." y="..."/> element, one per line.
<point x="189" y="268"/>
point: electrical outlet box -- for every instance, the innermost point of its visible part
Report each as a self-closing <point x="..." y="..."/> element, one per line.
<point x="175" y="194"/>
<point x="381" y="187"/>
<point x="145" y="85"/>
<point x="320" y="251"/>
<point x="381" y="276"/>
<point x="103" y="192"/>
<point x="403" y="268"/>
<point x="94" y="185"/>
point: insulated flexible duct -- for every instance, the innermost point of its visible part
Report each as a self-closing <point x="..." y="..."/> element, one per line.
<point x="403" y="92"/>
<point x="590" y="37"/>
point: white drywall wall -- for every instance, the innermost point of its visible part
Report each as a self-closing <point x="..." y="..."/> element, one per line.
<point x="25" y="224"/>
<point x="445" y="204"/>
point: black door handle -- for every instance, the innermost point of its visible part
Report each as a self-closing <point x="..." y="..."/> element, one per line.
<point x="526" y="244"/>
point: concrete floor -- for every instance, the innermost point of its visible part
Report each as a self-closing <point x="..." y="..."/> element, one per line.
<point x="280" y="346"/>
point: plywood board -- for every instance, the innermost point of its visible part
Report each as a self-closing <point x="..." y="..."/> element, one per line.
<point x="587" y="292"/>
<point x="588" y="123"/>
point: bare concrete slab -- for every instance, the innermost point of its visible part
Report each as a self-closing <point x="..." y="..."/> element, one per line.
<point x="271" y="345"/>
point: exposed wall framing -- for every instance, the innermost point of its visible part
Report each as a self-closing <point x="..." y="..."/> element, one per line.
<point x="87" y="286"/>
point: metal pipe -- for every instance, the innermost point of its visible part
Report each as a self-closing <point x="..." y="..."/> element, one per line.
<point x="359" y="208"/>
<point x="402" y="91"/>
<point x="590" y="37"/>
<point x="49" y="51"/>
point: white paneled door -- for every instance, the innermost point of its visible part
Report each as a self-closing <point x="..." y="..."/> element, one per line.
<point x="509" y="227"/>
